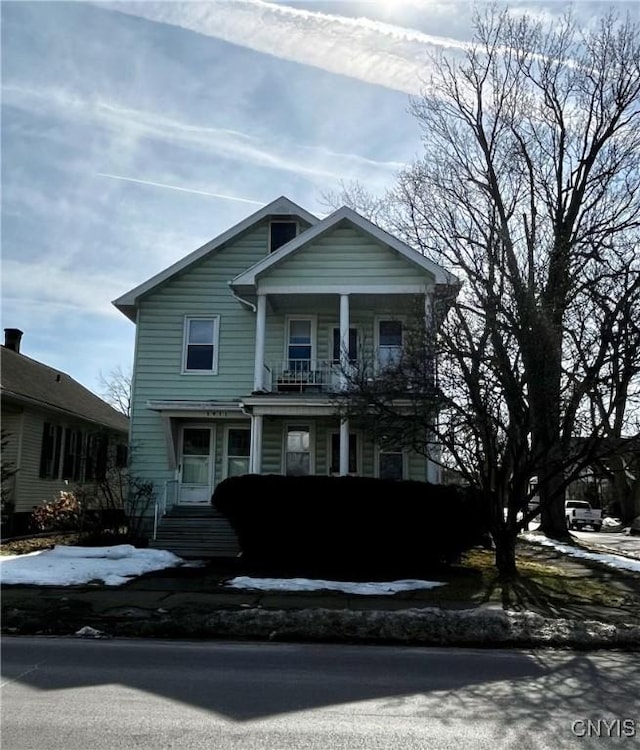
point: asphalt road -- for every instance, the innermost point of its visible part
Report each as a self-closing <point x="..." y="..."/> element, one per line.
<point x="75" y="694"/>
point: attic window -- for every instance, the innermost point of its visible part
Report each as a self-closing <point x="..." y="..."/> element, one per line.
<point x="280" y="232"/>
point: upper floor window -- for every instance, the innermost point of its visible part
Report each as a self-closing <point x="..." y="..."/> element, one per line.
<point x="280" y="232"/>
<point x="200" y="344"/>
<point x="389" y="341"/>
<point x="299" y="344"/>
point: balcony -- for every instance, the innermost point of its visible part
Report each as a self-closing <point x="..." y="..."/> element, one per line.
<point x="302" y="376"/>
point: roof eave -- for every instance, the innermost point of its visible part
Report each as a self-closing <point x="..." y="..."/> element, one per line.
<point x="281" y="206"/>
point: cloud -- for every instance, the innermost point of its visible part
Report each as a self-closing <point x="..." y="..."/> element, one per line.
<point x="362" y="48"/>
<point x="57" y="288"/>
<point x="128" y="124"/>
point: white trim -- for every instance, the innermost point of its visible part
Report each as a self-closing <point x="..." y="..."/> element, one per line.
<point x="264" y="286"/>
<point x="295" y="411"/>
<point x="281" y="220"/>
<point x="347" y="214"/>
<point x="261" y="335"/>
<point x="312" y="444"/>
<point x="215" y="343"/>
<point x="225" y="447"/>
<point x="212" y="457"/>
<point x="405" y="460"/>
<point x="255" y="463"/>
<point x="314" y="327"/>
<point x="210" y="407"/>
<point x="280" y="206"/>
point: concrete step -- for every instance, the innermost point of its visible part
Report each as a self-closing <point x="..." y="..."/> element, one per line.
<point x="191" y="535"/>
<point x="193" y="511"/>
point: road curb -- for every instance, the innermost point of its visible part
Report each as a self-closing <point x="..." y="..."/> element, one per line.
<point x="429" y="627"/>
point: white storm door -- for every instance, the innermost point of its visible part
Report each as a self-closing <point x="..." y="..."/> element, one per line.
<point x="196" y="466"/>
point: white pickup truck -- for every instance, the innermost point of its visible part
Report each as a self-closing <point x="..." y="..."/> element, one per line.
<point x="580" y="514"/>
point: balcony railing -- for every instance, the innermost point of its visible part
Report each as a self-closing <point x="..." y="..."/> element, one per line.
<point x="303" y="376"/>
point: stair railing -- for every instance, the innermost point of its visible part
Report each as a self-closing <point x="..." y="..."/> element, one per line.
<point x="160" y="509"/>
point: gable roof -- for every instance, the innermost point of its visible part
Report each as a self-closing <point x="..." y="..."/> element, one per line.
<point x="249" y="277"/>
<point x="26" y="380"/>
<point x="281" y="206"/>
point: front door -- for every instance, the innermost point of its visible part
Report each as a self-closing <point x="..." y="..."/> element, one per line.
<point x="196" y="466"/>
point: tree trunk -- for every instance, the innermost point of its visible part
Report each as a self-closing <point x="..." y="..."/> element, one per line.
<point x="505" y="541"/>
<point x="553" y="522"/>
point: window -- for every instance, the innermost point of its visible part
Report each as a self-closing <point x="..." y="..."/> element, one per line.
<point x="238" y="451"/>
<point x="72" y="458"/>
<point x="298" y="453"/>
<point x="389" y="341"/>
<point x="281" y="232"/>
<point x="50" y="451"/>
<point x="96" y="453"/>
<point x="122" y="455"/>
<point x="391" y="464"/>
<point x="334" y="467"/>
<point x="353" y="345"/>
<point x="201" y="345"/>
<point x="299" y="345"/>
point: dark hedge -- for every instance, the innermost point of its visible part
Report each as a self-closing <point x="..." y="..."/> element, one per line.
<point x="350" y="524"/>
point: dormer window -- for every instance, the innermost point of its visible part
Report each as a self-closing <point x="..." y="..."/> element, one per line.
<point x="280" y="232"/>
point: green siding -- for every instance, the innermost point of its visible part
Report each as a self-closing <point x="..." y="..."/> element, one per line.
<point x="202" y="290"/>
<point x="321" y="429"/>
<point x="345" y="255"/>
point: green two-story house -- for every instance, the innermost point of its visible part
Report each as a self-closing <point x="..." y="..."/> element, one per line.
<point x="240" y="346"/>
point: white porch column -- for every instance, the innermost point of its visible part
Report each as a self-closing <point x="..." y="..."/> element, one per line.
<point x="344" y="447"/>
<point x="344" y="337"/>
<point x="255" y="460"/>
<point x="261" y="321"/>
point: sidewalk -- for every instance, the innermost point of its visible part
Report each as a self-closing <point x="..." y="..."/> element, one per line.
<point x="193" y="603"/>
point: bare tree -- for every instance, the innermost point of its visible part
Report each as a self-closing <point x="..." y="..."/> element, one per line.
<point x="116" y="389"/>
<point x="529" y="190"/>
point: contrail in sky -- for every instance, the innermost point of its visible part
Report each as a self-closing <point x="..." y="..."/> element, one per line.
<point x="181" y="189"/>
<point x="368" y="50"/>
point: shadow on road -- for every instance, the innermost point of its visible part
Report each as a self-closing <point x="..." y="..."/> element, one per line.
<point x="251" y="681"/>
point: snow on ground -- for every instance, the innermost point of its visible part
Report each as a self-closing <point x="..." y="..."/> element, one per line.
<point x="378" y="588"/>
<point x="71" y="566"/>
<point x="614" y="561"/>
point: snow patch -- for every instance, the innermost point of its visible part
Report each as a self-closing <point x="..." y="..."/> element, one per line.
<point x="613" y="561"/>
<point x="73" y="566"/>
<point x="377" y="588"/>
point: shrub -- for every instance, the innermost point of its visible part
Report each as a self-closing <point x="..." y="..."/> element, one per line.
<point x="62" y="514"/>
<point x="350" y="524"/>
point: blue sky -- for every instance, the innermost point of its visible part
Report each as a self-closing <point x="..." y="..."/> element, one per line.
<point x="134" y="132"/>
